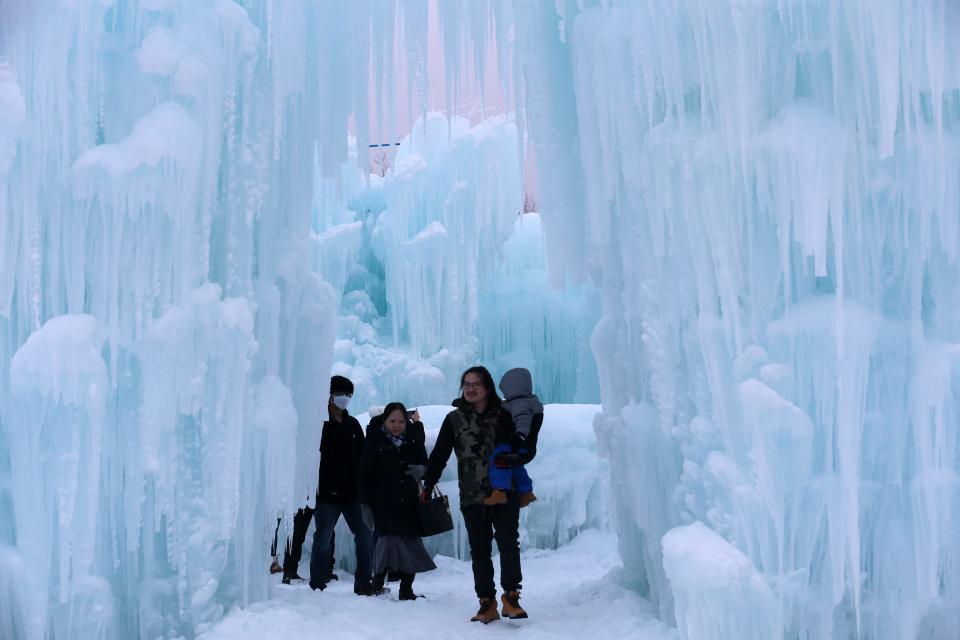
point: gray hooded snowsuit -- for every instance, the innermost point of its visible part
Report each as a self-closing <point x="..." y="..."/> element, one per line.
<point x="516" y="385"/>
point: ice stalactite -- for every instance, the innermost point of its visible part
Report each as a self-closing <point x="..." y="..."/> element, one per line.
<point x="164" y="334"/>
<point x="770" y="213"/>
<point x="441" y="267"/>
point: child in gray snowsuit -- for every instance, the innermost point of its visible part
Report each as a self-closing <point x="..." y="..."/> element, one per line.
<point x="507" y="462"/>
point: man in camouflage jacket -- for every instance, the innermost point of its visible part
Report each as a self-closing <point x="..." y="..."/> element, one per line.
<point x="472" y="431"/>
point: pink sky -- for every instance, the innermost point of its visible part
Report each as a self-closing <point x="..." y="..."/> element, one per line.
<point x="404" y="110"/>
<point x="469" y="91"/>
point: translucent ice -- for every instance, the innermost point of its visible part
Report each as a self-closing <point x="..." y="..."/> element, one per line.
<point x="769" y="205"/>
<point x="440" y="269"/>
<point x="719" y="594"/>
<point x="163" y="330"/>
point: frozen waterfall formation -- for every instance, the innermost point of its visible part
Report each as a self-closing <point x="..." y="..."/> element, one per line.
<point x="769" y="193"/>
<point x="764" y="194"/>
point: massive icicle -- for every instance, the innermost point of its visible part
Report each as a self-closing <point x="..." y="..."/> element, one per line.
<point x="771" y="205"/>
<point x="164" y="335"/>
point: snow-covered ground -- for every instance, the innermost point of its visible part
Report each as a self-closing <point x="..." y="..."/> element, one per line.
<point x="572" y="592"/>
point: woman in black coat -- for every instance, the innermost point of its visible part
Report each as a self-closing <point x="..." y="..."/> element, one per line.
<point x="392" y="463"/>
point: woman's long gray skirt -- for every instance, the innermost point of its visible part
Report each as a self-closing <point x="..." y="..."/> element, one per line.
<point x="401" y="553"/>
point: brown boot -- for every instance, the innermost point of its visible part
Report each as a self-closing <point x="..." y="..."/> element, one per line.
<point x="526" y="498"/>
<point x="511" y="606"/>
<point x="488" y="611"/>
<point x="497" y="496"/>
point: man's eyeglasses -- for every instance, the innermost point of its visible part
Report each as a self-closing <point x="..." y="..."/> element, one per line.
<point x="471" y="385"/>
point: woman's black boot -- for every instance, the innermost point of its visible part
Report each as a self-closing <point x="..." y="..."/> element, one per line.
<point x="376" y="585"/>
<point x="406" y="587"/>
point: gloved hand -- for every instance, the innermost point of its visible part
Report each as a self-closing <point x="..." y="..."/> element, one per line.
<point x="519" y="442"/>
<point x="366" y="512"/>
<point x="506" y="460"/>
<point x="416" y="471"/>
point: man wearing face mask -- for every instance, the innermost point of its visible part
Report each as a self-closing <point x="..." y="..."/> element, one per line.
<point x="341" y="444"/>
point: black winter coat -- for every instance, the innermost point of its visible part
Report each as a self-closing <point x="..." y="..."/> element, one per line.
<point x="341" y="445"/>
<point x="385" y="486"/>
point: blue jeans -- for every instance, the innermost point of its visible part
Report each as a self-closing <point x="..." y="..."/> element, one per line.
<point x="506" y="479"/>
<point x="326" y="515"/>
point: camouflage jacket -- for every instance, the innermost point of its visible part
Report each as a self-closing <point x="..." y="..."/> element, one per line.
<point x="473" y="438"/>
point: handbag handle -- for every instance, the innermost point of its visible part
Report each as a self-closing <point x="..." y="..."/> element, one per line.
<point x="436" y="493"/>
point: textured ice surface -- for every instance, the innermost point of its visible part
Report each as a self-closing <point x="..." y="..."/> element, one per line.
<point x="765" y="195"/>
<point x="719" y="594"/>
<point x="163" y="333"/>
<point x="440" y="270"/>
<point x="768" y="195"/>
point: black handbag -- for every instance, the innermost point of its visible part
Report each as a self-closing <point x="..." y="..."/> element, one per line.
<point x="434" y="514"/>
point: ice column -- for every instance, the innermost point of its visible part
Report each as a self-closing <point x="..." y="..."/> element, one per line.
<point x="770" y="209"/>
<point x="164" y="334"/>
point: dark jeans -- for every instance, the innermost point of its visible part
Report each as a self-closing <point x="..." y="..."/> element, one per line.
<point x="294" y="550"/>
<point x="484" y="524"/>
<point x="326" y="515"/>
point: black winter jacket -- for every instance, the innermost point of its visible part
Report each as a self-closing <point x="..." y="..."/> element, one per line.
<point x="341" y="445"/>
<point x="385" y="486"/>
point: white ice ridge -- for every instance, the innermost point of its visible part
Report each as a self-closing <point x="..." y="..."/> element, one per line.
<point x="719" y="594"/>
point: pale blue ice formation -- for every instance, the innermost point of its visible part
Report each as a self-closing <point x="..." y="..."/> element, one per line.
<point x="769" y="195"/>
<point x="440" y="269"/>
<point x="755" y="205"/>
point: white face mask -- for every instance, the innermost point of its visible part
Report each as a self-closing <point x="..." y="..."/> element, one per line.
<point x="341" y="401"/>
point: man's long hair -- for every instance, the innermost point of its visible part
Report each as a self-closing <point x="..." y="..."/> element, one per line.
<point x="493" y="399"/>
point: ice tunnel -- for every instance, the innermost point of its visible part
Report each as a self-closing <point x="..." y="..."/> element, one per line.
<point x="744" y="247"/>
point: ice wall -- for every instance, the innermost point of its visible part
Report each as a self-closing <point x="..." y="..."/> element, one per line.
<point x="163" y="333"/>
<point x="441" y="269"/>
<point x="767" y="193"/>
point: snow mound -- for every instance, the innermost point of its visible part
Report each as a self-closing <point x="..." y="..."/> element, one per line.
<point x="717" y="592"/>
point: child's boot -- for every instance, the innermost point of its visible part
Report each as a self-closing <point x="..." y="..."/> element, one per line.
<point x="526" y="498"/>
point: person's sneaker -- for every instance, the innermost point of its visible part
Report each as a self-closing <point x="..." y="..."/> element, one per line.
<point x="287" y="579"/>
<point x="511" y="606"/>
<point x="275" y="567"/>
<point x="497" y="496"/>
<point x="487" y="612"/>
<point x="526" y="498"/>
<point x="332" y="576"/>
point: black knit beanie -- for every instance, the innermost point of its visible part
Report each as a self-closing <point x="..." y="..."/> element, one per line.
<point x="339" y="384"/>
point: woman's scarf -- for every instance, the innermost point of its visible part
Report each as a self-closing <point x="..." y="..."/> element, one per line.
<point x="395" y="440"/>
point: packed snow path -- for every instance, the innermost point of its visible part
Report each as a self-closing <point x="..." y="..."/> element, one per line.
<point x="573" y="592"/>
